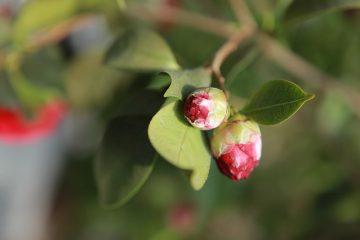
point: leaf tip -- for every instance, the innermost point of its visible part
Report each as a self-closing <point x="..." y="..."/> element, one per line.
<point x="309" y="96"/>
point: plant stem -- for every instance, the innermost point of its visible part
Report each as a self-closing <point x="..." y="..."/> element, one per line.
<point x="242" y="12"/>
<point x="308" y="73"/>
<point x="225" y="50"/>
<point x="176" y="15"/>
<point x="247" y="30"/>
<point x="59" y="32"/>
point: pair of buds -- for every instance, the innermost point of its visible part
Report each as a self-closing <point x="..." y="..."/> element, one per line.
<point x="236" y="140"/>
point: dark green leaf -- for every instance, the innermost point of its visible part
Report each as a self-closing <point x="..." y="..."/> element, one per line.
<point x="275" y="102"/>
<point x="186" y="81"/>
<point x="50" y="76"/>
<point x="159" y="82"/>
<point x="5" y="30"/>
<point x="179" y="143"/>
<point x="308" y="8"/>
<point x="31" y="96"/>
<point x="7" y="94"/>
<point x="141" y="50"/>
<point x="124" y="161"/>
<point x="246" y="61"/>
<point x="138" y="102"/>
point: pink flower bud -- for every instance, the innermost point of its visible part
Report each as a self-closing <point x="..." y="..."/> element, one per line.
<point x="206" y="108"/>
<point x="236" y="146"/>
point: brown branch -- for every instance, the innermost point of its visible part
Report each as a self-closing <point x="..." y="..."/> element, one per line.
<point x="242" y="12"/>
<point x="59" y="32"/>
<point x="204" y="23"/>
<point x="226" y="49"/>
<point x="179" y="16"/>
<point x="308" y="73"/>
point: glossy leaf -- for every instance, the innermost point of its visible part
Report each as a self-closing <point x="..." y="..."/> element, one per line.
<point x="124" y="161"/>
<point x="308" y="8"/>
<point x="179" y="143"/>
<point x="275" y="102"/>
<point x="141" y="50"/>
<point x="186" y="81"/>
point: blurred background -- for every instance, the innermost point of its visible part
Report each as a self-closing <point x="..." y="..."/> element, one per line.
<point x="306" y="187"/>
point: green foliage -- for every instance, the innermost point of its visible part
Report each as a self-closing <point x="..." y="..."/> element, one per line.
<point x="31" y="96"/>
<point x="307" y="8"/>
<point x="124" y="161"/>
<point x="33" y="68"/>
<point x="125" y="158"/>
<point x="7" y="94"/>
<point x="5" y="29"/>
<point x="333" y="114"/>
<point x="186" y="81"/>
<point x="90" y="84"/>
<point x="179" y="143"/>
<point x="235" y="72"/>
<point x="38" y="15"/>
<point x="159" y="81"/>
<point x="315" y="176"/>
<point x="141" y="50"/>
<point x="275" y="102"/>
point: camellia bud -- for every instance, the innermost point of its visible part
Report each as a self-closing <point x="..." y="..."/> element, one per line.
<point x="206" y="108"/>
<point x="236" y="146"/>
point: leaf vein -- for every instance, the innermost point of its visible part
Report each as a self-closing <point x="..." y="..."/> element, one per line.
<point x="274" y="105"/>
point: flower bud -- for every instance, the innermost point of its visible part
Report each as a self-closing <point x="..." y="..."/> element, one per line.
<point x="206" y="108"/>
<point x="236" y="146"/>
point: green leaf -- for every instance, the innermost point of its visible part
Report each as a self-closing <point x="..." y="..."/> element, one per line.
<point x="121" y="4"/>
<point x="7" y="94"/>
<point x="246" y="61"/>
<point x="135" y="102"/>
<point x="30" y="95"/>
<point x="52" y="75"/>
<point x="124" y="161"/>
<point x="141" y="50"/>
<point x="159" y="82"/>
<point x="38" y="15"/>
<point x="186" y="81"/>
<point x="5" y="30"/>
<point x="308" y="8"/>
<point x="275" y="102"/>
<point x="179" y="143"/>
<point x="89" y="84"/>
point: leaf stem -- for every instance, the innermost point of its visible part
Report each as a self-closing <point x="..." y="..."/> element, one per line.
<point x="242" y="12"/>
<point x="227" y="49"/>
<point x="247" y="30"/>
<point x="179" y="16"/>
<point x="59" y="32"/>
<point x="307" y="72"/>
